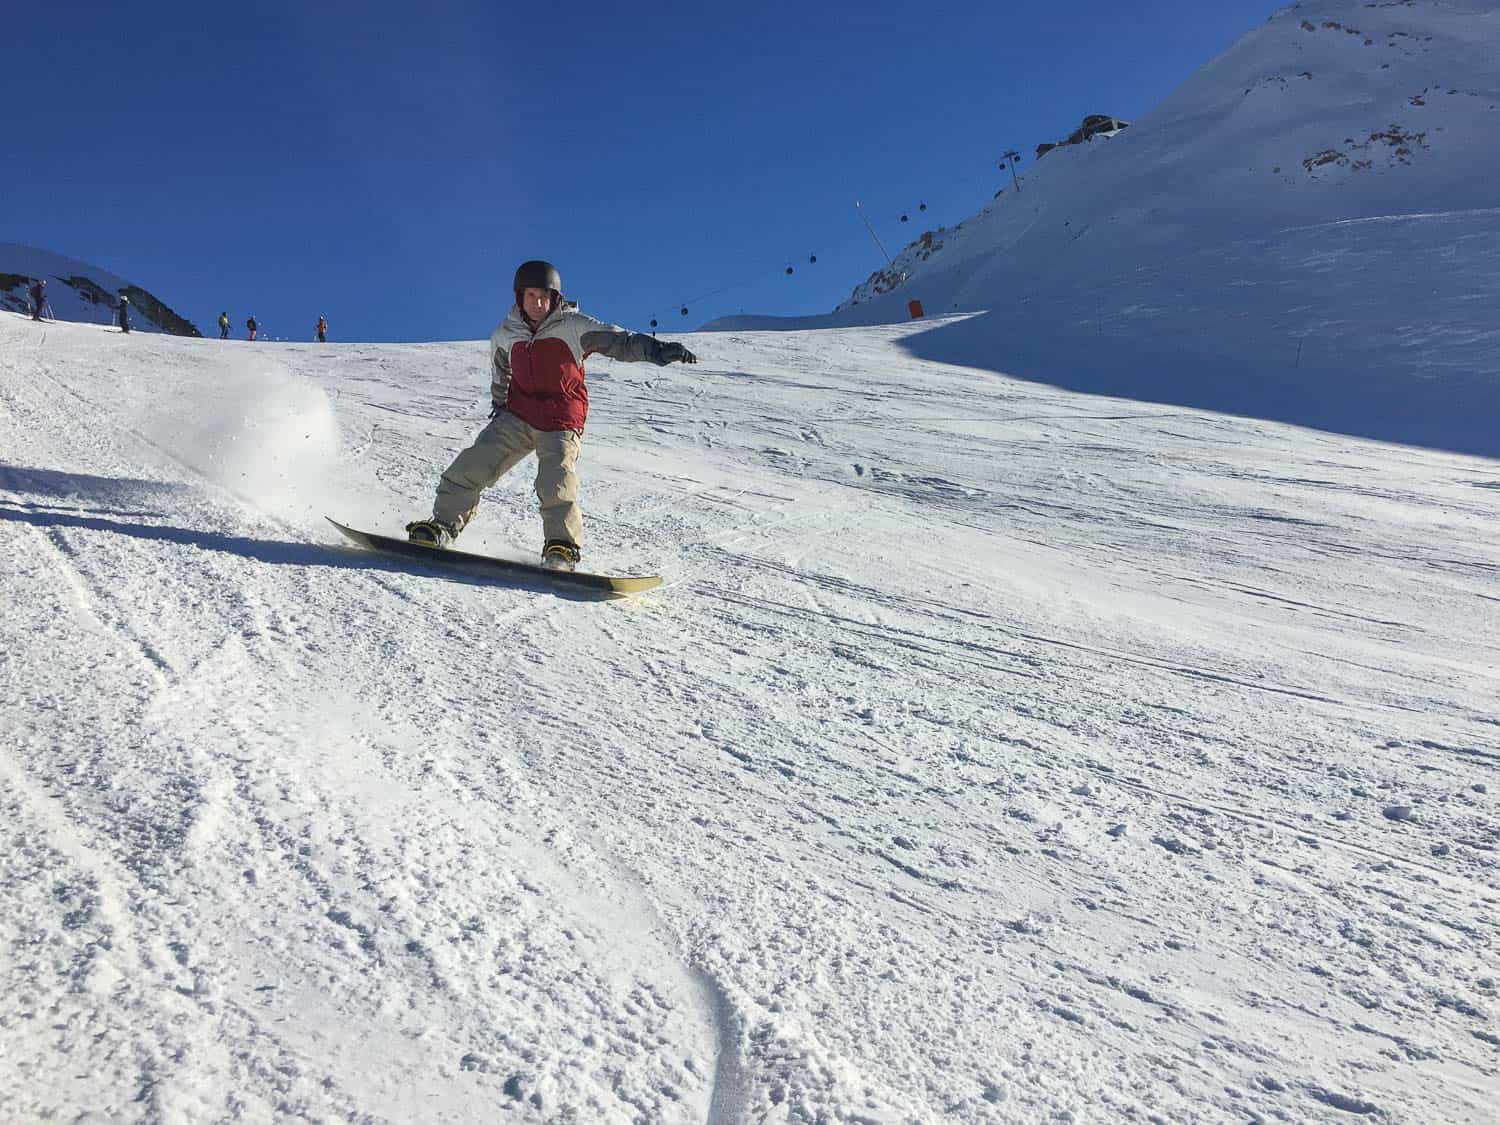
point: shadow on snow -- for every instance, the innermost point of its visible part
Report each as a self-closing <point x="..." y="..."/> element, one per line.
<point x="119" y="504"/>
<point x="1357" y="394"/>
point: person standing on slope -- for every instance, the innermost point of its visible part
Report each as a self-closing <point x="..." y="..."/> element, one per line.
<point x="322" y="329"/>
<point x="38" y="293"/>
<point x="253" y="325"/>
<point x="539" y="405"/>
<point x="124" y="314"/>
<point x="223" y="326"/>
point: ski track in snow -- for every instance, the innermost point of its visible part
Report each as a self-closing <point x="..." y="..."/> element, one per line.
<point x="992" y="754"/>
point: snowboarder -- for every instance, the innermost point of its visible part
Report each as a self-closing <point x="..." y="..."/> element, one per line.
<point x="223" y="326"/>
<point x="538" y="404"/>
<point x="124" y="314"/>
<point x="253" y="325"/>
<point x="322" y="329"/>
<point x="38" y="297"/>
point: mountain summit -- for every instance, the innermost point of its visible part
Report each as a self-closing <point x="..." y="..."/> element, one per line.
<point x="1306" y="230"/>
<point x="82" y="292"/>
<point x="1331" y="111"/>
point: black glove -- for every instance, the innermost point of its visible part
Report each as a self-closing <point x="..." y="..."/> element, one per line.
<point x="674" y="353"/>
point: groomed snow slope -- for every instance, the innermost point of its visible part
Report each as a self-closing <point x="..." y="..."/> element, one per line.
<point x="1305" y="231"/>
<point x="994" y="753"/>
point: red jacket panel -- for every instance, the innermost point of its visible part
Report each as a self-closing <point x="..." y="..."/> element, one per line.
<point x="547" y="389"/>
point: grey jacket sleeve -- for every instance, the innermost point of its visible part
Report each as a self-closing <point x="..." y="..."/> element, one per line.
<point x="597" y="338"/>
<point x="631" y="347"/>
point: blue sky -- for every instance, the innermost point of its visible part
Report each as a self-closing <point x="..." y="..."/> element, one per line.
<point x="388" y="165"/>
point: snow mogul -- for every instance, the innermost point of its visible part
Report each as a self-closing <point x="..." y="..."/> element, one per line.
<point x="539" y="403"/>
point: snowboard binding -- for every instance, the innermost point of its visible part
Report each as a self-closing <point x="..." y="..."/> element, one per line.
<point x="559" y="554"/>
<point x="430" y="533"/>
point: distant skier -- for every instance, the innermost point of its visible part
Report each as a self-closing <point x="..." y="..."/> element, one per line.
<point x="253" y="325"/>
<point x="538" y="405"/>
<point x="124" y="313"/>
<point x="322" y="329"/>
<point x="38" y="293"/>
<point x="223" y="326"/>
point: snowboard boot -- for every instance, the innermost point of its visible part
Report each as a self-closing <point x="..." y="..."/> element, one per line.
<point x="559" y="554"/>
<point x="430" y="533"/>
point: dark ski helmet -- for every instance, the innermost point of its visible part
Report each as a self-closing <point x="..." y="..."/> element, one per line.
<point x="537" y="274"/>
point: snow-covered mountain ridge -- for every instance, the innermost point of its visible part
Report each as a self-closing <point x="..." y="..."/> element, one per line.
<point x="994" y="754"/>
<point x="1333" y="110"/>
<point x="81" y="292"/>
<point x="1307" y="230"/>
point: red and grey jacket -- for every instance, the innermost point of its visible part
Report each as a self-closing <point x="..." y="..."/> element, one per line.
<point x="538" y="374"/>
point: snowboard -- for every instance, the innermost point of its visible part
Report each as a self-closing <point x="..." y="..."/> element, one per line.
<point x="499" y="568"/>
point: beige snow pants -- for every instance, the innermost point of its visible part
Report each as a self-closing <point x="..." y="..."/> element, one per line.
<point x="498" y="449"/>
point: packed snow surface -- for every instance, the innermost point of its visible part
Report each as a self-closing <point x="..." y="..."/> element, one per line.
<point x="993" y="753"/>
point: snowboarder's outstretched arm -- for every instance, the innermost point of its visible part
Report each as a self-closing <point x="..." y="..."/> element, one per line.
<point x="631" y="347"/>
<point x="586" y="336"/>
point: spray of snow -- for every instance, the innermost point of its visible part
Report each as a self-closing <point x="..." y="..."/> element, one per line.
<point x="263" y="434"/>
